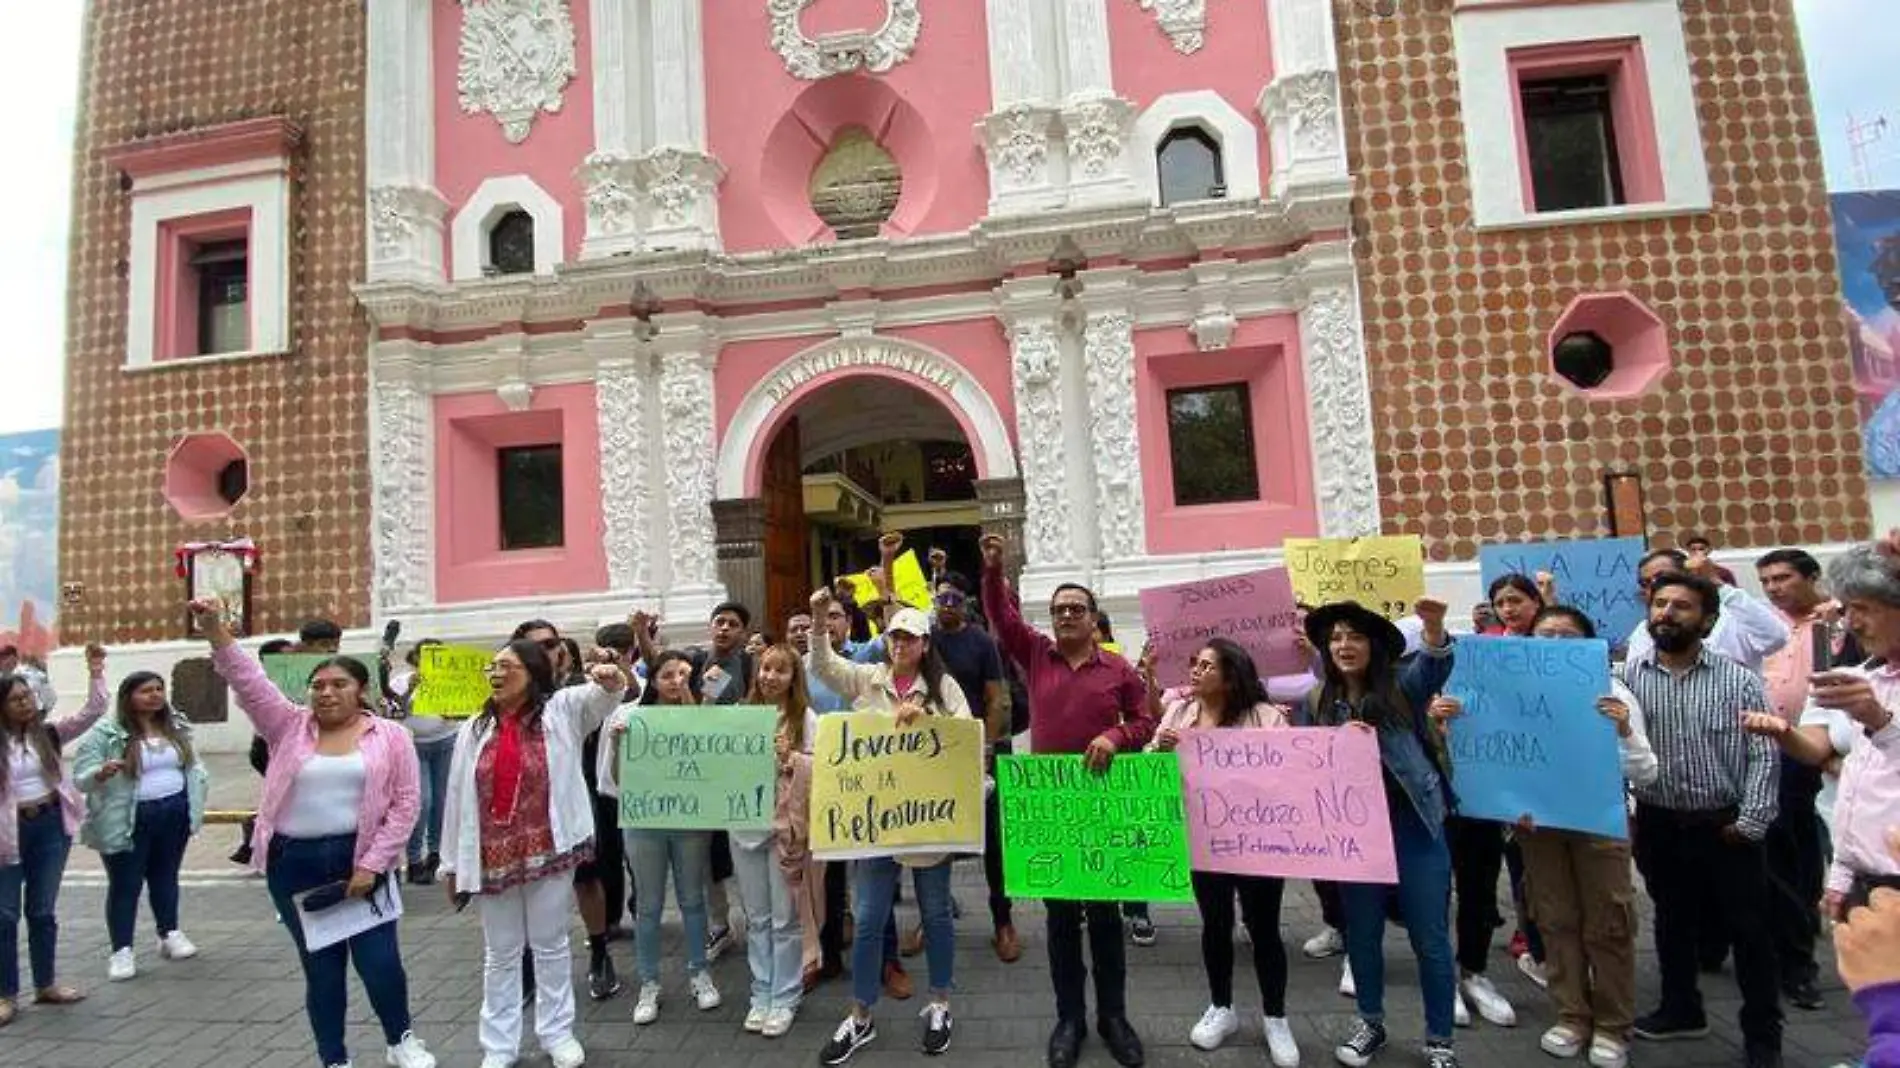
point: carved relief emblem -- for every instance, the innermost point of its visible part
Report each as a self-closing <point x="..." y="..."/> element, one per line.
<point x="517" y="57"/>
<point x="842" y="53"/>
<point x="1184" y="21"/>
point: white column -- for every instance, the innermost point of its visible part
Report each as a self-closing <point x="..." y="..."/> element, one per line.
<point x="1108" y="352"/>
<point x="607" y="175"/>
<point x="405" y="211"/>
<point x="1021" y="135"/>
<point x="1306" y="129"/>
<point x="1029" y="314"/>
<point x="1339" y="405"/>
<point x="687" y="352"/>
<point x="402" y="451"/>
<point x="622" y="368"/>
<point x="1095" y="121"/>
<point x="679" y="179"/>
<point x="1088" y="70"/>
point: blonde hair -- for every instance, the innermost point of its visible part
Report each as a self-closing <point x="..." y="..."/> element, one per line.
<point x="797" y="700"/>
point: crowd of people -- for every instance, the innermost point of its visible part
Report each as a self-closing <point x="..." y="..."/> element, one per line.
<point x="1757" y="738"/>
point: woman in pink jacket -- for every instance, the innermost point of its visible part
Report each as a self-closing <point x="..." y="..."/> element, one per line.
<point x="39" y="814"/>
<point x="339" y="801"/>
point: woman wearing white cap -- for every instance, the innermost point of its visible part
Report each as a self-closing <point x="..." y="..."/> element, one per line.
<point x="911" y="685"/>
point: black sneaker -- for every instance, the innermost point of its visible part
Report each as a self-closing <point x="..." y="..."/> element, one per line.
<point x="851" y="1036"/>
<point x="718" y="940"/>
<point x="1366" y="1039"/>
<point x="1764" y="1057"/>
<point x="1141" y="931"/>
<point x="603" y="981"/>
<point x="1660" y="1026"/>
<point x="937" y="1024"/>
<point x="1803" y="994"/>
<point x="1439" y="1055"/>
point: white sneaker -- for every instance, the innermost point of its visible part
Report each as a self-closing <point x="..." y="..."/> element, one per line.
<point x="1281" y="1049"/>
<point x="1217" y="1025"/>
<point x="755" y="1019"/>
<point x="1491" y="1004"/>
<point x="1562" y="1041"/>
<point x="567" y="1053"/>
<point x="705" y="994"/>
<point x="496" y="1060"/>
<point x="778" y="1022"/>
<point x="1328" y="943"/>
<point x="409" y="1053"/>
<point x="176" y="946"/>
<point x="647" y="1008"/>
<point x="1460" y="1012"/>
<point x="1347" y="988"/>
<point x="1534" y="971"/>
<point x="1607" y="1052"/>
<point x="121" y="965"/>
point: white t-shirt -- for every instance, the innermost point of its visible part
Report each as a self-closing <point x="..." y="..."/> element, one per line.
<point x="161" y="773"/>
<point x="27" y="776"/>
<point x="325" y="797"/>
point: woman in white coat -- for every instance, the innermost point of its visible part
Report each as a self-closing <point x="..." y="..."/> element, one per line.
<point x="517" y="822"/>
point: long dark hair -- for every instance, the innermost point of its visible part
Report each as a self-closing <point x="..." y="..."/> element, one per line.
<point x="36" y="734"/>
<point x="1384" y="706"/>
<point x="930" y="668"/>
<point x="352" y="667"/>
<point x="541" y="686"/>
<point x="797" y="700"/>
<point x="651" y="695"/>
<point x="167" y="723"/>
<point x="1240" y="680"/>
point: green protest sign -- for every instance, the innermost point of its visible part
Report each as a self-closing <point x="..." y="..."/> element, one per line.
<point x="1073" y="835"/>
<point x="291" y="672"/>
<point x="698" y="768"/>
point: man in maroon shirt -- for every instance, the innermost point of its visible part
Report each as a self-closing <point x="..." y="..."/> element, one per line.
<point x="1081" y="700"/>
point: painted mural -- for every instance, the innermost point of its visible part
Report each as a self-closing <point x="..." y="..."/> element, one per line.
<point x="1867" y="231"/>
<point x="29" y="540"/>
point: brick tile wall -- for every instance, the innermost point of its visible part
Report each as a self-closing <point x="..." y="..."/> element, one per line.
<point x="157" y="67"/>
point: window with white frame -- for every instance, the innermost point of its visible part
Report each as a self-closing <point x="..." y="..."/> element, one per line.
<point x="1188" y="164"/>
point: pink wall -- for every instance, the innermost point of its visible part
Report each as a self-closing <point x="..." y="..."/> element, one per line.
<point x="1265" y="354"/>
<point x="471" y="148"/>
<point x="771" y="129"/>
<point x="975" y="345"/>
<point x="469" y="563"/>
<point x="1236" y="61"/>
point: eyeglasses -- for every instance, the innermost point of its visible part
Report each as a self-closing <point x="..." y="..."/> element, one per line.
<point x="1062" y="611"/>
<point x="550" y="644"/>
<point x="950" y="599"/>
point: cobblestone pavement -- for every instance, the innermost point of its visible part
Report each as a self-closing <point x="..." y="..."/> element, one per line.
<point x="240" y="1003"/>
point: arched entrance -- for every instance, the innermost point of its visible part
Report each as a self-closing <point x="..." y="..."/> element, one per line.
<point x="843" y="442"/>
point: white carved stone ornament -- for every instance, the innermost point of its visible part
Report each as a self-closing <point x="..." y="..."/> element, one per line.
<point x="610" y="187"/>
<point x="1109" y="342"/>
<point x="517" y="57"/>
<point x="625" y="493"/>
<point x="1017" y="141"/>
<point x="402" y="493"/>
<point x="1037" y="359"/>
<point x="677" y="182"/>
<point x="1310" y="102"/>
<point x="515" y="394"/>
<point x="397" y="214"/>
<point x="842" y="53"/>
<point x="1098" y="134"/>
<point x="1214" y="328"/>
<point x="1340" y="409"/>
<point x="1184" y="21"/>
<point x="686" y="399"/>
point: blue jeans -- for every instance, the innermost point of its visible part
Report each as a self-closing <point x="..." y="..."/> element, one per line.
<point x="877" y="887"/>
<point x="775" y="941"/>
<point x="652" y="854"/>
<point x="300" y="864"/>
<point x="160" y="831"/>
<point x="43" y="849"/>
<point x="1424" y="895"/>
<point x="433" y="759"/>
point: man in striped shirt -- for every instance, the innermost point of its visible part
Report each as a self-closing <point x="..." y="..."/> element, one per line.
<point x="1700" y="825"/>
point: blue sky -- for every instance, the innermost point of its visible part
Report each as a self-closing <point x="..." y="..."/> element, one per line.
<point x="1852" y="48"/>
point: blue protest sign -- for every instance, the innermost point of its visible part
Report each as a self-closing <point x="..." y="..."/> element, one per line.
<point x="1531" y="740"/>
<point x="1596" y="577"/>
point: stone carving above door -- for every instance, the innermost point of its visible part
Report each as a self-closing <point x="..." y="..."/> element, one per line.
<point x="876" y="51"/>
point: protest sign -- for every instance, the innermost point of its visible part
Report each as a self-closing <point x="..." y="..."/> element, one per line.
<point x="1255" y="609"/>
<point x="1296" y="803"/>
<point x="880" y="790"/>
<point x="1596" y="576"/>
<point x="1531" y="741"/>
<point x="451" y="681"/>
<point x="1385" y="574"/>
<point x="291" y="672"/>
<point x="1072" y="834"/>
<point x="698" y="768"/>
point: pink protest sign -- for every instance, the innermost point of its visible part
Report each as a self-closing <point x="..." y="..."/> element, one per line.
<point x="1255" y="609"/>
<point x="1298" y="803"/>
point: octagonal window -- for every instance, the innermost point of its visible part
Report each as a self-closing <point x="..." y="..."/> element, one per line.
<point x="206" y="475"/>
<point x="1608" y="346"/>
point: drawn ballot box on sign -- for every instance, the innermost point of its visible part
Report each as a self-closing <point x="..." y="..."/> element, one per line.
<point x="1077" y="835"/>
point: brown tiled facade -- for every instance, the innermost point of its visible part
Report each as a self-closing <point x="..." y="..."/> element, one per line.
<point x="1752" y="438"/>
<point x="158" y="67"/>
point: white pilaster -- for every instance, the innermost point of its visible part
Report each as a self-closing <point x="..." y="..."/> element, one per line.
<point x="686" y="354"/>
<point x="1108" y="353"/>
<point x="405" y="211"/>
<point x="1095" y="121"/>
<point x="1022" y="142"/>
<point x="1088" y="70"/>
<point x="402" y="451"/>
<point x="1029" y="315"/>
<point x="678" y="63"/>
<point x="622" y="369"/>
<point x="680" y="197"/>
<point x="608" y="183"/>
<point x="1339" y="407"/>
<point x="1305" y="125"/>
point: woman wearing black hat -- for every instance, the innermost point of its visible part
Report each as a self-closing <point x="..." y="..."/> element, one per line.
<point x="1364" y="684"/>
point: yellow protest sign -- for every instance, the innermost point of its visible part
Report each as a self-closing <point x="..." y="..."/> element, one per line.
<point x="1385" y="574"/>
<point x="908" y="583"/>
<point x="878" y="790"/>
<point x="451" y="681"/>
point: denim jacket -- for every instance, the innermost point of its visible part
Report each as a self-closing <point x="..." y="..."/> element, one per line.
<point x="1410" y="755"/>
<point x="112" y="805"/>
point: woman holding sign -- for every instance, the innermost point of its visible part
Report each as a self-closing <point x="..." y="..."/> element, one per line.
<point x="517" y="822"/>
<point x="1362" y="686"/>
<point x="338" y="804"/>
<point x="1224" y="691"/>
<point x="913" y="684"/>
<point x="774" y="867"/>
